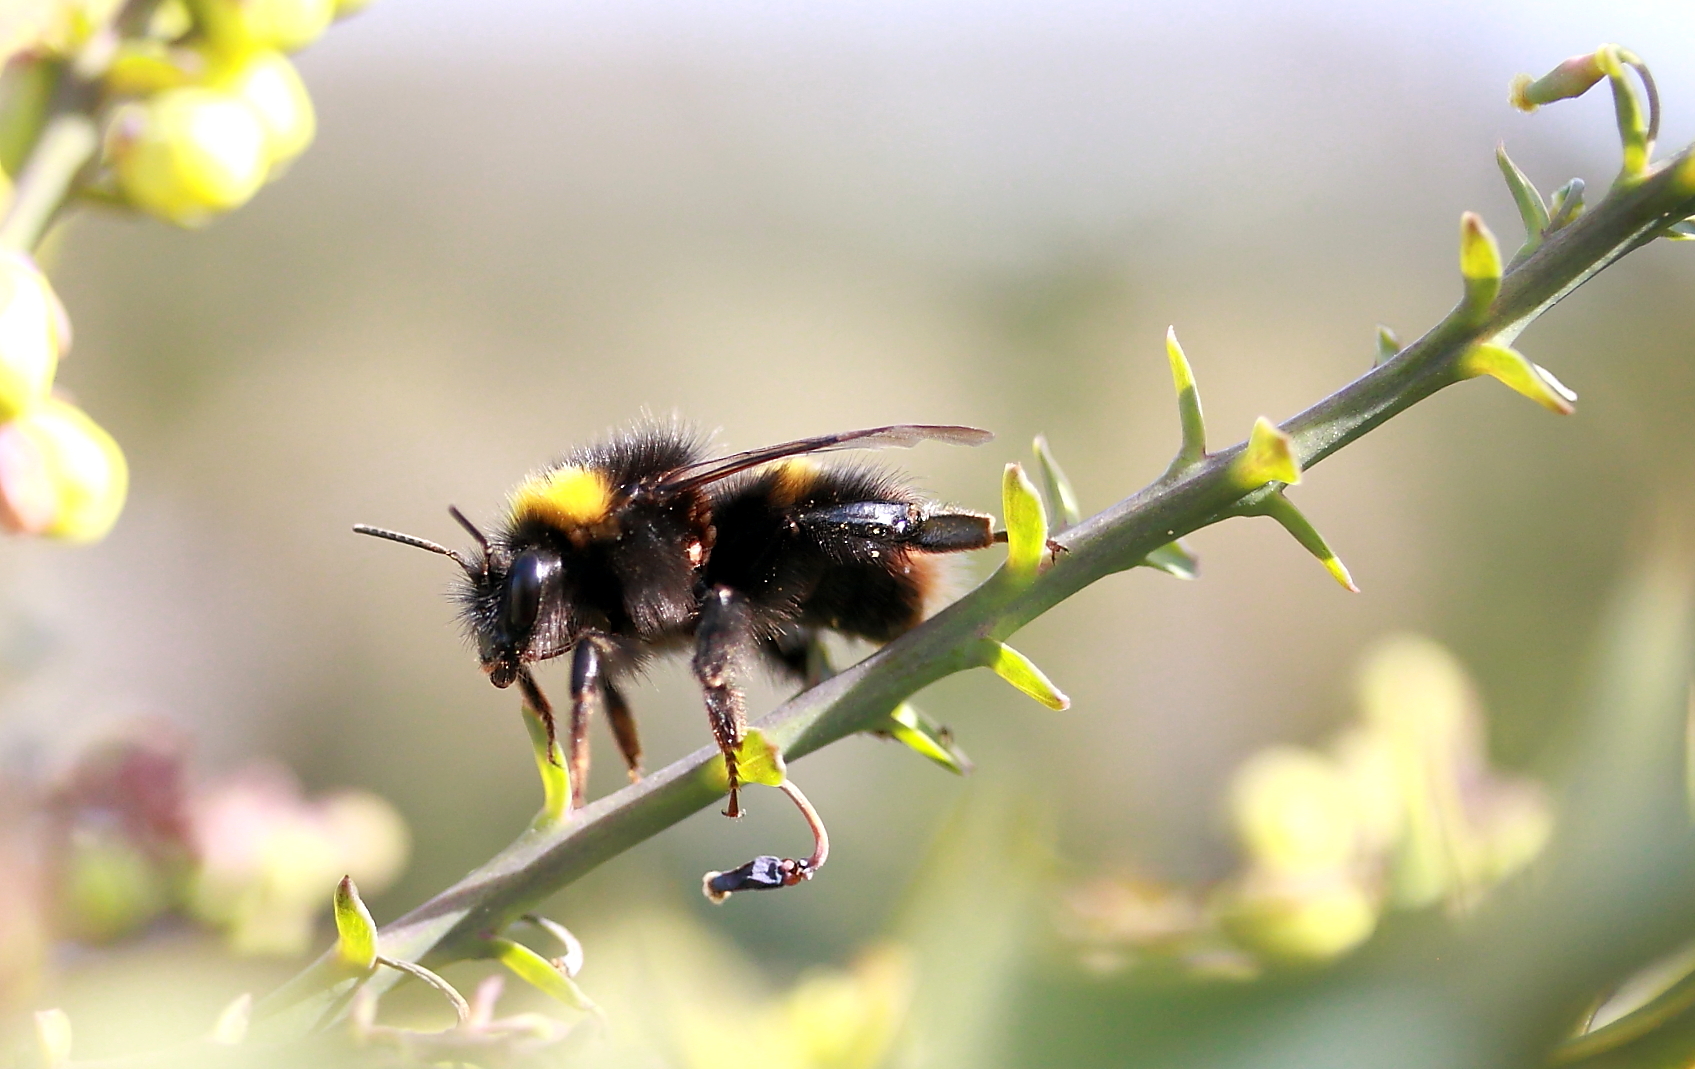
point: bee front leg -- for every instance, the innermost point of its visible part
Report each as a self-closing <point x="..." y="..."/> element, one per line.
<point x="723" y="632"/>
<point x="585" y="688"/>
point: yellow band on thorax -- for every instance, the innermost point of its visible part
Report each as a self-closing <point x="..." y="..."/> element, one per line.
<point x="568" y="497"/>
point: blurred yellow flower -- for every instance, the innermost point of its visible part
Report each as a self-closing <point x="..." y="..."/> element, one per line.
<point x="34" y="332"/>
<point x="189" y="153"/>
<point x="269" y="857"/>
<point x="831" y="1019"/>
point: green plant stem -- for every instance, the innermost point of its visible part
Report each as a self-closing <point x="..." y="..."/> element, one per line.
<point x="67" y="143"/>
<point x="69" y="139"/>
<point x="451" y="925"/>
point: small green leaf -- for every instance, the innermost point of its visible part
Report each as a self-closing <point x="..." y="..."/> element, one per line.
<point x="1531" y="208"/>
<point x="1026" y="523"/>
<point x="1510" y="367"/>
<point x="540" y="973"/>
<point x="1480" y="264"/>
<point x="1022" y="673"/>
<point x="53" y="1036"/>
<point x="1174" y="559"/>
<point x="1283" y="510"/>
<point x="231" y="1027"/>
<point x="1061" y="498"/>
<point x="356" y="942"/>
<point x="1387" y="346"/>
<point x="1684" y="231"/>
<point x="907" y="725"/>
<point x="555" y="779"/>
<point x="1194" y="445"/>
<point x="759" y="761"/>
<point x="1268" y="457"/>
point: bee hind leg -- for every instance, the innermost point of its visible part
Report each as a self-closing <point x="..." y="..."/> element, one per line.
<point x="724" y="630"/>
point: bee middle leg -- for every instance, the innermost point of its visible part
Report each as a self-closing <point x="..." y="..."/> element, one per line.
<point x="623" y="729"/>
<point x="723" y="631"/>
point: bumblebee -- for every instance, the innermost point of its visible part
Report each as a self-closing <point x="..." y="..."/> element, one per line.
<point x="640" y="545"/>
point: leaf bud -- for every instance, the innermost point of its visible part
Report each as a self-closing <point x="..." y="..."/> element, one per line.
<point x="236" y="26"/>
<point x="187" y="154"/>
<point x="1572" y="78"/>
<point x="33" y="332"/>
<point x="268" y="83"/>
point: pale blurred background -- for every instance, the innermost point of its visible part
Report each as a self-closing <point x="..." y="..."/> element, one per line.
<point x="524" y="223"/>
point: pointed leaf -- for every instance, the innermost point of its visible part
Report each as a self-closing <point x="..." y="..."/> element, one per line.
<point x="907" y="725"/>
<point x="1684" y="231"/>
<point x="1387" y="345"/>
<point x="1510" y="367"/>
<point x="540" y="973"/>
<point x="1269" y="457"/>
<point x="1026" y="523"/>
<point x="1194" y="445"/>
<point x="1174" y="559"/>
<point x="1480" y="264"/>
<point x="1061" y="498"/>
<point x="571" y="961"/>
<point x="356" y="942"/>
<point x="555" y="779"/>
<point x="1531" y="208"/>
<point x="1022" y="673"/>
<point x="53" y="1036"/>
<point x="1283" y="510"/>
<point x="231" y="1027"/>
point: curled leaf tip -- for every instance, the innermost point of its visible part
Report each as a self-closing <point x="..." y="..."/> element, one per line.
<point x="1513" y="369"/>
<point x="356" y="932"/>
<point x="1268" y="457"/>
<point x="540" y="973"/>
<point x="919" y="733"/>
<point x="1026" y="523"/>
<point x="1022" y="673"/>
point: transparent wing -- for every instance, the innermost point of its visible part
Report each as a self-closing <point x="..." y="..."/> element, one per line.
<point x="900" y="435"/>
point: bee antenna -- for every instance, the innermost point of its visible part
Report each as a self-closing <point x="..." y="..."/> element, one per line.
<point x="482" y="540"/>
<point x="414" y="540"/>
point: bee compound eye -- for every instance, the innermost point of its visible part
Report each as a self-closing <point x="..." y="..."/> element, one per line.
<point x="523" y="593"/>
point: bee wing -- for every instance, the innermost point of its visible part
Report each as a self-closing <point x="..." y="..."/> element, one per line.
<point x="900" y="435"/>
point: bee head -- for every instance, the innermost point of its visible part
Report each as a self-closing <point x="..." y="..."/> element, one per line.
<point x="504" y="605"/>
<point x="502" y="596"/>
